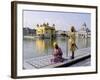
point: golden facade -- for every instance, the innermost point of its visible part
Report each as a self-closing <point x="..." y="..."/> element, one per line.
<point x="45" y="31"/>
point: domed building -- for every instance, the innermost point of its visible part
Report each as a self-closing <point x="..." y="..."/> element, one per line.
<point x="45" y="31"/>
<point x="84" y="32"/>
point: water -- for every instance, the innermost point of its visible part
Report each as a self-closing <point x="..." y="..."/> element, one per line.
<point x="39" y="47"/>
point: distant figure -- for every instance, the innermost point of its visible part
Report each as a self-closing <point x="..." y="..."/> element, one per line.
<point x="72" y="41"/>
<point x="57" y="54"/>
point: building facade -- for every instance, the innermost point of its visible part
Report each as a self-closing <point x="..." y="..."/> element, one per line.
<point x="84" y="32"/>
<point x="45" y="31"/>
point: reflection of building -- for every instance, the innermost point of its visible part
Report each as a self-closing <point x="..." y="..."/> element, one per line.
<point x="43" y="44"/>
<point x="28" y="31"/>
<point x="84" y="32"/>
<point x="45" y="31"/>
<point x="40" y="44"/>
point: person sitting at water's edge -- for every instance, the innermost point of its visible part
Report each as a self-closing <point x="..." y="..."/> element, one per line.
<point x="57" y="54"/>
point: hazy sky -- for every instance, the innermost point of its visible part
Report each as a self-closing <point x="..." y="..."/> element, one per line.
<point x="62" y="20"/>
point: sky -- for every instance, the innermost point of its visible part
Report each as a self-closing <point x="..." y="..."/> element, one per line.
<point x="62" y="20"/>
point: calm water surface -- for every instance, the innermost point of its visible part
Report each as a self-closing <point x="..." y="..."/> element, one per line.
<point x="39" y="47"/>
